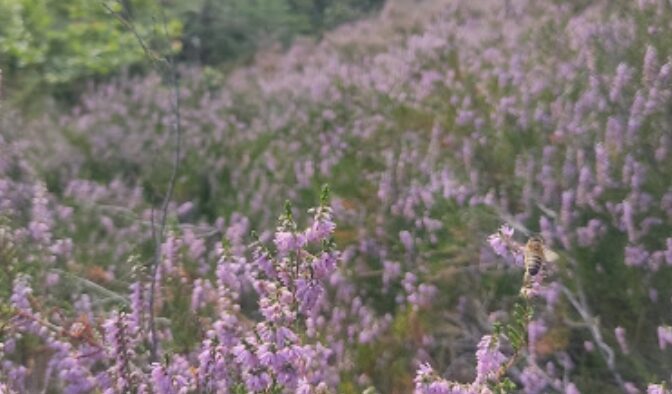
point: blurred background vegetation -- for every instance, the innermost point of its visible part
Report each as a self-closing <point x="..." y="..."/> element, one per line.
<point x="52" y="51"/>
<point x="52" y="48"/>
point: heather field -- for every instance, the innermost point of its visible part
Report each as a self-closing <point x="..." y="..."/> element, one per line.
<point x="351" y="214"/>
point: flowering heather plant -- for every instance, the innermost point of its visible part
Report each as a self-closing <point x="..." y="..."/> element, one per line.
<point x="237" y="348"/>
<point x="545" y="117"/>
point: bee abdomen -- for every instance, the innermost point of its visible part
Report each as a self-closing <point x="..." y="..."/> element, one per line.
<point x="533" y="265"/>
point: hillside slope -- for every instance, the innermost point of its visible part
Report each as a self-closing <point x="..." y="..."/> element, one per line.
<point x="432" y="131"/>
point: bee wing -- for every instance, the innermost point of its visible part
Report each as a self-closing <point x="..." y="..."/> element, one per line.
<point x="547" y="211"/>
<point x="550" y="255"/>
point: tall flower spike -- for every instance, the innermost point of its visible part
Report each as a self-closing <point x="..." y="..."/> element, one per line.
<point x="116" y="337"/>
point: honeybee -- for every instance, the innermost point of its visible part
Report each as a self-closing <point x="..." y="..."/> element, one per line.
<point x="535" y="258"/>
<point x="534" y="255"/>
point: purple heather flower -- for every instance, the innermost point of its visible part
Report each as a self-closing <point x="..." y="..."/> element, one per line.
<point x="118" y="341"/>
<point x="324" y="265"/>
<point x="533" y="380"/>
<point x="622" y="341"/>
<point x="41" y="222"/>
<point x="630" y="388"/>
<point x="498" y="245"/>
<point x="277" y="306"/>
<point x="499" y="242"/>
<point x="427" y="382"/>
<point x="244" y="356"/>
<point x="304" y="387"/>
<point x="567" y="208"/>
<point x="422" y="296"/>
<point x="206" y="364"/>
<point x="650" y="67"/>
<point x="286" y="375"/>
<point x="75" y="377"/>
<point x="636" y="256"/>
<point x="590" y="234"/>
<point x="308" y="293"/>
<point x="424" y="373"/>
<point x="614" y="134"/>
<point x="169" y="251"/>
<point x="391" y="271"/>
<point x="323" y="225"/>
<point x="439" y="387"/>
<point x="269" y="356"/>
<point x="137" y="306"/>
<point x="320" y="230"/>
<point x="257" y="381"/>
<point x="571" y="389"/>
<point x="161" y="382"/>
<point x="488" y="358"/>
<point x="602" y="165"/>
<point x="664" y="336"/>
<point x="620" y="80"/>
<point x="287" y="241"/>
<point x="668" y="251"/>
<point x="195" y="246"/>
<point x="657" y="389"/>
<point x="406" y="240"/>
<point x="20" y="294"/>
<point x="583" y="196"/>
<point x="198" y="294"/>
<point x="653" y="295"/>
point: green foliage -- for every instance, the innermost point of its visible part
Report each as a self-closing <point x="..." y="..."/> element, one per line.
<point x="506" y="386"/>
<point x="220" y="31"/>
<point x="52" y="48"/>
<point x="49" y="46"/>
<point x="516" y="331"/>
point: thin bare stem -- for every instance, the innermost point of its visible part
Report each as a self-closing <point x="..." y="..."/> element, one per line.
<point x="169" y="70"/>
<point x="507" y="365"/>
<point x="581" y="306"/>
